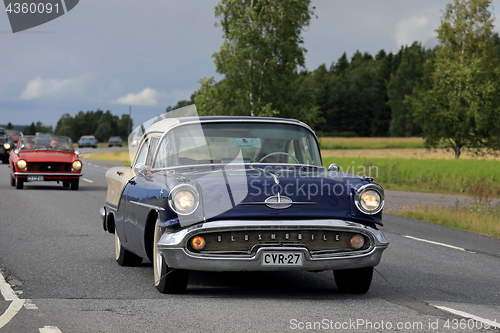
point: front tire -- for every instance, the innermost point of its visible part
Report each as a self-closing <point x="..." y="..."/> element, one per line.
<point x="19" y="183"/>
<point x="124" y="257"/>
<point x="75" y="184"/>
<point x="354" y="281"/>
<point x="167" y="280"/>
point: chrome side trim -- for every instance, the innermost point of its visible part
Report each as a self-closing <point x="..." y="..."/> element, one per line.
<point x="111" y="205"/>
<point x="288" y="203"/>
<point x="146" y="205"/>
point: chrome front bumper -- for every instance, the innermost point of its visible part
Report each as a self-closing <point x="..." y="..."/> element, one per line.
<point x="173" y="246"/>
<point x="48" y="174"/>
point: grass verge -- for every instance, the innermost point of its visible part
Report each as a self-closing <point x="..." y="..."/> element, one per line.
<point x="428" y="175"/>
<point x="115" y="156"/>
<point x="479" y="218"/>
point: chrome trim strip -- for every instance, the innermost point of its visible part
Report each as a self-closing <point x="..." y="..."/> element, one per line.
<point x="147" y="206"/>
<point x="277" y="203"/>
<point x="236" y="164"/>
<point x="47" y="174"/>
<point x="111" y="205"/>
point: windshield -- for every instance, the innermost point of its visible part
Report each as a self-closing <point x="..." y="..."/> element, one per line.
<point x="54" y="143"/>
<point x="14" y="132"/>
<point x="253" y="142"/>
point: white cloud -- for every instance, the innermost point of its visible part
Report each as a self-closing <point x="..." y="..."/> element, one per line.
<point x="54" y="88"/>
<point x="147" y="97"/>
<point x="415" y="28"/>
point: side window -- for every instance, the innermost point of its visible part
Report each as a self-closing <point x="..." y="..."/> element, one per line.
<point x="142" y="153"/>
<point x="306" y="150"/>
<point x="152" y="147"/>
<point x="161" y="157"/>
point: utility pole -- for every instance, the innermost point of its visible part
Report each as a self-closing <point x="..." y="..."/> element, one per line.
<point x="129" y="117"/>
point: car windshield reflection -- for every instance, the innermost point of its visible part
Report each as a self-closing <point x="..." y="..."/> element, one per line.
<point x="53" y="143"/>
<point x="248" y="142"/>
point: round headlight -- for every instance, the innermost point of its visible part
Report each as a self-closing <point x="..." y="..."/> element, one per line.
<point x="6" y="146"/>
<point x="77" y="165"/>
<point x="370" y="199"/>
<point x="21" y="164"/>
<point x="184" y="199"/>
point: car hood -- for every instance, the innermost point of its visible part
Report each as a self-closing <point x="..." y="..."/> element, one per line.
<point x="241" y="193"/>
<point x="47" y="156"/>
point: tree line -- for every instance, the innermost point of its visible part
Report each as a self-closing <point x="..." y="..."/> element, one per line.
<point x="448" y="95"/>
<point x="98" y="123"/>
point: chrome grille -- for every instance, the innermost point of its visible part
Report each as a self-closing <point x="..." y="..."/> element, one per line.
<point x="247" y="241"/>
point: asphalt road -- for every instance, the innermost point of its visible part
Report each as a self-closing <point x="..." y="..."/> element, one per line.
<point x="61" y="276"/>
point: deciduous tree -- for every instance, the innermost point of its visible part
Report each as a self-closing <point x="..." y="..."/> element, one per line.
<point x="458" y="100"/>
<point x="259" y="59"/>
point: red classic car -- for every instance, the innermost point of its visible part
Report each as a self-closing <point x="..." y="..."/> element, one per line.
<point x="38" y="159"/>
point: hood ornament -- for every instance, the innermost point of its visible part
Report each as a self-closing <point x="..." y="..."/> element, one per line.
<point x="278" y="202"/>
<point x="276" y="177"/>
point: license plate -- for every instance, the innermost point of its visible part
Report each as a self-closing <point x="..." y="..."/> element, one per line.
<point x="35" y="178"/>
<point x="279" y="258"/>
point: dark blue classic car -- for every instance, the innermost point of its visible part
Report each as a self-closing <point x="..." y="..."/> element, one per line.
<point x="241" y="194"/>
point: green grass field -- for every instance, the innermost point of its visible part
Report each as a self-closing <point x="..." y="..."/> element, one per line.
<point x="480" y="218"/>
<point x="370" y="143"/>
<point x="455" y="176"/>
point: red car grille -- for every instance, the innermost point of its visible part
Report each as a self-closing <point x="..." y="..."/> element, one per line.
<point x="49" y="167"/>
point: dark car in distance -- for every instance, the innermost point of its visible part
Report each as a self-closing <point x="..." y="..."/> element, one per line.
<point x="15" y="134"/>
<point x="115" y="141"/>
<point x="6" y="145"/>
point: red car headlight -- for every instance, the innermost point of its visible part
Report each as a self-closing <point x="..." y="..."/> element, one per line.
<point x="21" y="164"/>
<point x="76" y="166"/>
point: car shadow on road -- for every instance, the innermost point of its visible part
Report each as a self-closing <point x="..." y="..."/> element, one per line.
<point x="265" y="285"/>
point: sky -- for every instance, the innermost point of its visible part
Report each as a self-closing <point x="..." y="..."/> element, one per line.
<point x="143" y="56"/>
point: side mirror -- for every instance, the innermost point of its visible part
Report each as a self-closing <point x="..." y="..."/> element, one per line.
<point x="334" y="167"/>
<point x="140" y="170"/>
<point x="77" y="152"/>
<point x="17" y="151"/>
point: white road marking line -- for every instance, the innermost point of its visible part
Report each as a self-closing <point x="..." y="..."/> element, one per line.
<point x="49" y="329"/>
<point x="6" y="290"/>
<point x="87" y="180"/>
<point x="30" y="305"/>
<point x="437" y="243"/>
<point x="492" y="324"/>
<point x="9" y="295"/>
<point x="13" y="309"/>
